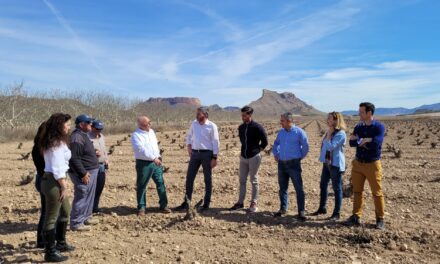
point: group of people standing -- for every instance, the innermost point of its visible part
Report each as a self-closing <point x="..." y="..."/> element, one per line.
<point x="84" y="157"/>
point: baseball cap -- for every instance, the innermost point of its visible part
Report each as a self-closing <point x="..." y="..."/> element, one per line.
<point x="98" y="124"/>
<point x="83" y="118"/>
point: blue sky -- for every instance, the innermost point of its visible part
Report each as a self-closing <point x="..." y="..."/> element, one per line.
<point x="332" y="54"/>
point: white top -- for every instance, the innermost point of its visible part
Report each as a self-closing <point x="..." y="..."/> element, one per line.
<point x="203" y="136"/>
<point x="145" y="145"/>
<point x="56" y="161"/>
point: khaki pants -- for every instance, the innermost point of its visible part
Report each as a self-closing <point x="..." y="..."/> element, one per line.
<point x="249" y="167"/>
<point x="372" y="172"/>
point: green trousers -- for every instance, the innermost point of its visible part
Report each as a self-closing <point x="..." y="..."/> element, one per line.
<point x="145" y="171"/>
<point x="55" y="210"/>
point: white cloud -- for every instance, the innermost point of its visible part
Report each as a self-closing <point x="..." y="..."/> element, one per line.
<point x="389" y="84"/>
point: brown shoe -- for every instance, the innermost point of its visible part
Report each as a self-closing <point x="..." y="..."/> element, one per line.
<point x="165" y="210"/>
<point x="141" y="212"/>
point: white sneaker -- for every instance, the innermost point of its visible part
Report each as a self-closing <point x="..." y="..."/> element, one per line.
<point x="253" y="208"/>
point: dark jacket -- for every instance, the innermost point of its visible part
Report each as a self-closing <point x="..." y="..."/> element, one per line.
<point x="253" y="139"/>
<point x="38" y="160"/>
<point x="83" y="153"/>
<point x="372" y="150"/>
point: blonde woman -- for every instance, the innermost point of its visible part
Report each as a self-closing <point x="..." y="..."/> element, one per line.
<point x="333" y="159"/>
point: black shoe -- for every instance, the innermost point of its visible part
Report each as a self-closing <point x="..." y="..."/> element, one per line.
<point x="204" y="208"/>
<point x="236" y="206"/>
<point x="353" y="220"/>
<point x="280" y="213"/>
<point x="62" y="245"/>
<point x="334" y="217"/>
<point x="320" y="211"/>
<point x="51" y="253"/>
<point x="380" y="224"/>
<point x="302" y="217"/>
<point x="182" y="207"/>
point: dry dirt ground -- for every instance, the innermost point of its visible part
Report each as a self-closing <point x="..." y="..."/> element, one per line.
<point x="411" y="185"/>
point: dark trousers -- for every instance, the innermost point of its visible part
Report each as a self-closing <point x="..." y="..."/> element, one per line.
<point x="40" y="236"/>
<point x="291" y="170"/>
<point x="100" y="183"/>
<point x="331" y="173"/>
<point x="199" y="159"/>
<point x="55" y="210"/>
<point x="145" y="171"/>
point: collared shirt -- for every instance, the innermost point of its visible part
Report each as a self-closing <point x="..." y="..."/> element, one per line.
<point x="56" y="160"/>
<point x="253" y="139"/>
<point x="99" y="144"/>
<point x="203" y="136"/>
<point x="291" y="144"/>
<point x="370" y="151"/>
<point x="145" y="145"/>
<point x="336" y="148"/>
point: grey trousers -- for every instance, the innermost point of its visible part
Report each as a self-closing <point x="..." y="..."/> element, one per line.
<point x="249" y="167"/>
<point x="83" y="198"/>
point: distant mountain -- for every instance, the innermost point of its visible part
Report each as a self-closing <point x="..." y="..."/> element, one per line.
<point x="176" y="100"/>
<point x="400" y="110"/>
<point x="273" y="103"/>
<point x="231" y="108"/>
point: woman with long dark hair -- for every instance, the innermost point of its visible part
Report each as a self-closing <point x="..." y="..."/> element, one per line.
<point x="38" y="160"/>
<point x="53" y="146"/>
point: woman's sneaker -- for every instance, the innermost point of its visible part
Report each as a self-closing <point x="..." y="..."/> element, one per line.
<point x="253" y="208"/>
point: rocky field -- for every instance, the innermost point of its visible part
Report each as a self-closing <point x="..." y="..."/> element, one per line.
<point x="411" y="162"/>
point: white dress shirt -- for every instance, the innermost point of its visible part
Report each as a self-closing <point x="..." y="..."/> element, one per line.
<point x="145" y="145"/>
<point x="203" y="136"/>
<point x="56" y="161"/>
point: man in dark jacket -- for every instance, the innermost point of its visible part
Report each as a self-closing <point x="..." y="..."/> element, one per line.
<point x="84" y="168"/>
<point x="253" y="140"/>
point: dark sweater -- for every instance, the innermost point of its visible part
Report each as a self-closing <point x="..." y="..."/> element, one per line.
<point x="83" y="154"/>
<point x="253" y="139"/>
<point x="38" y="160"/>
<point x="372" y="150"/>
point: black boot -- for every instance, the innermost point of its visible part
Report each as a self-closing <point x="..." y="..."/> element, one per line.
<point x="51" y="252"/>
<point x="40" y="239"/>
<point x="62" y="245"/>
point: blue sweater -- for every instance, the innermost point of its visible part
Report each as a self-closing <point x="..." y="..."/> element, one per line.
<point x="291" y="144"/>
<point x="371" y="151"/>
<point x="336" y="147"/>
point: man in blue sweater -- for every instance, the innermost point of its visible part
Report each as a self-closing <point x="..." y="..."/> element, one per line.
<point x="367" y="138"/>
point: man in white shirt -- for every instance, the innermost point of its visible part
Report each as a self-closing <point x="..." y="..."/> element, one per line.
<point x="203" y="146"/>
<point x="148" y="165"/>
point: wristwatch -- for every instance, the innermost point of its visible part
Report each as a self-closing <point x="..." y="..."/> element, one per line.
<point x="214" y="157"/>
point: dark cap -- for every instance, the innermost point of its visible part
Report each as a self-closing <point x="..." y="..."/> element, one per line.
<point x="98" y="124"/>
<point x="83" y="118"/>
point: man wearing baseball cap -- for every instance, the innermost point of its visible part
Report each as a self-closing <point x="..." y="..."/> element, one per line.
<point x="98" y="141"/>
<point x="84" y="168"/>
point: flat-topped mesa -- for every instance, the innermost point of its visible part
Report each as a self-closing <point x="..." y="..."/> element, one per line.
<point x="176" y="100"/>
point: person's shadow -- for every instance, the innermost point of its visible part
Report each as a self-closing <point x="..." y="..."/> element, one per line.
<point x="265" y="218"/>
<point x="7" y="228"/>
